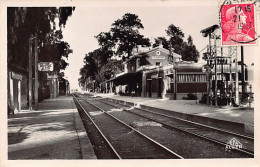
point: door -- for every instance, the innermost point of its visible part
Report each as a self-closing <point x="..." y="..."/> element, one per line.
<point x="159" y="87"/>
<point x="149" y="88"/>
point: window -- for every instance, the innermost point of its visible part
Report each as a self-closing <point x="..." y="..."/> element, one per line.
<point x="158" y="63"/>
<point x="192" y="78"/>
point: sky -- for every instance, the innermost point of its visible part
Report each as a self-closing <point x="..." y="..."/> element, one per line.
<point x="88" y="21"/>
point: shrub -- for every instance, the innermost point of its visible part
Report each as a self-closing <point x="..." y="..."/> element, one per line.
<point x="190" y="96"/>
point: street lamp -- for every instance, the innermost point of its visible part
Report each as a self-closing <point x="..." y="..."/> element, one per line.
<point x="35" y="70"/>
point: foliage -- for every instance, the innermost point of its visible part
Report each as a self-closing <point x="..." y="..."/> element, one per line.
<point x="123" y="36"/>
<point x="187" y="50"/>
<point x="106" y="44"/>
<point x="143" y="59"/>
<point x="24" y="23"/>
<point x="190" y="96"/>
<point x="161" y="40"/>
<point x="110" y="69"/>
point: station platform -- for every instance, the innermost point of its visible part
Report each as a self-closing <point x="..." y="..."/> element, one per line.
<point x="55" y="131"/>
<point x="237" y="119"/>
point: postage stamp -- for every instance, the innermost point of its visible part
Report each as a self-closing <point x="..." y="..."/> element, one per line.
<point x="238" y="23"/>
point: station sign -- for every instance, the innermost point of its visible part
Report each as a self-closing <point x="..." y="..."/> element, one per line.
<point x="158" y="57"/>
<point x="45" y="66"/>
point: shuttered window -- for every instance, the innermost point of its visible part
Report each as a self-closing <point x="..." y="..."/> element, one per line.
<point x="191" y="78"/>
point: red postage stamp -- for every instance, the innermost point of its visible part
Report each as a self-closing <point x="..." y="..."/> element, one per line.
<point x="238" y="24"/>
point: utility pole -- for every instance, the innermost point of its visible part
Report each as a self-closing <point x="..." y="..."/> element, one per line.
<point x="209" y="32"/>
<point x="215" y="62"/>
<point x="209" y="74"/>
<point x="36" y="84"/>
<point x="242" y="73"/>
<point x="30" y="73"/>
<point x="230" y="72"/>
<point x="237" y="85"/>
<point x="222" y="74"/>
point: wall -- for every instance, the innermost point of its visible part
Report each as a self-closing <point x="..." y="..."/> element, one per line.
<point x="14" y="89"/>
<point x="153" y="58"/>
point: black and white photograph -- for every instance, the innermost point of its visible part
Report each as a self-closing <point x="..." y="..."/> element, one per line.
<point x="121" y="83"/>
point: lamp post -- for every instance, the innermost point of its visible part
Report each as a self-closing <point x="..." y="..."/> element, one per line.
<point x="67" y="85"/>
<point x="30" y="73"/>
<point x="36" y="82"/>
<point x="35" y="70"/>
<point x="250" y="97"/>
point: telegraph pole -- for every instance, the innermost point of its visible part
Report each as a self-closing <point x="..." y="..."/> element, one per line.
<point x="209" y="32"/>
<point x="242" y="72"/>
<point x="215" y="62"/>
<point x="237" y="85"/>
<point x="36" y="84"/>
<point x="209" y="74"/>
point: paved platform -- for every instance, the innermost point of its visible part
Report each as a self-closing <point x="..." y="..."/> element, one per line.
<point x="225" y="116"/>
<point x="55" y="131"/>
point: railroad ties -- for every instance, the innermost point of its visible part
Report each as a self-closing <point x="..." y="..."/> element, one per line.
<point x="132" y="133"/>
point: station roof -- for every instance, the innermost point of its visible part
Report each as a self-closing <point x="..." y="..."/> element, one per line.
<point x="185" y="66"/>
<point x="158" y="48"/>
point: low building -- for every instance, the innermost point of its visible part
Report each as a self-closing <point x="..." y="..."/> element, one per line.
<point x="53" y="84"/>
<point x="17" y="87"/>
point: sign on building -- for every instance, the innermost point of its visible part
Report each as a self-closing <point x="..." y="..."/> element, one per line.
<point x="45" y="66"/>
<point x="158" y="57"/>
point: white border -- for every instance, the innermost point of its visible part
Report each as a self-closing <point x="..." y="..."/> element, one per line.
<point x="107" y="163"/>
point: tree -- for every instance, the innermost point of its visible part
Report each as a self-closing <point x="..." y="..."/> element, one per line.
<point x="23" y="23"/>
<point x="161" y="40"/>
<point x="120" y="40"/>
<point x="176" y="38"/>
<point x="56" y="53"/>
<point x="189" y="51"/>
<point x="125" y="34"/>
<point x="110" y="69"/>
<point x="106" y="43"/>
<point x="174" y="31"/>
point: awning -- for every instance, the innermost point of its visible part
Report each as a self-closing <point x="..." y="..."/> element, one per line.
<point x="127" y="78"/>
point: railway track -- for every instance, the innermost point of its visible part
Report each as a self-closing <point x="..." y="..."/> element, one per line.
<point x="184" y="143"/>
<point x="219" y="136"/>
<point x="123" y="140"/>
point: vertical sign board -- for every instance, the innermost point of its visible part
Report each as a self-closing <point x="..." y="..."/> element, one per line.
<point x="237" y="21"/>
<point x="16" y="76"/>
<point x="45" y="66"/>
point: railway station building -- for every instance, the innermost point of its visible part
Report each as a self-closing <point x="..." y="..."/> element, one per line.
<point x="160" y="74"/>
